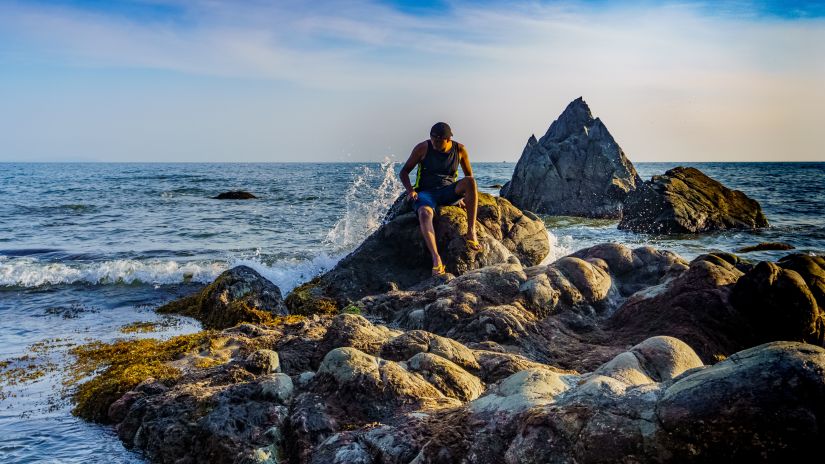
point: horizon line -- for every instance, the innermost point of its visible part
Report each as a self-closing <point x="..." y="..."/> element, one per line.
<point x="376" y="162"/>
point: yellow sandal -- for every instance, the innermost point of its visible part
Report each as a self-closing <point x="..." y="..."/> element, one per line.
<point x="441" y="269"/>
<point x="474" y="244"/>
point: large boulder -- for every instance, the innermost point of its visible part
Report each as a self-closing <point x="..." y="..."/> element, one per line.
<point x="784" y="301"/>
<point x="237" y="295"/>
<point x="685" y="200"/>
<point x="763" y="404"/>
<point x="693" y="306"/>
<point x="575" y="169"/>
<point x="395" y="257"/>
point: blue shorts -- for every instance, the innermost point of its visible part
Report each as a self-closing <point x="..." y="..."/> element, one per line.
<point x="436" y="197"/>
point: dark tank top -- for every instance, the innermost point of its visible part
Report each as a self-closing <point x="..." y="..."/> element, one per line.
<point x="437" y="169"/>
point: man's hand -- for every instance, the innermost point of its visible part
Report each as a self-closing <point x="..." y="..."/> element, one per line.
<point x="460" y="203"/>
<point x="412" y="195"/>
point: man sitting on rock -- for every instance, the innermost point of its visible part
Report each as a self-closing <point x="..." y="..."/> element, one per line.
<point x="436" y="184"/>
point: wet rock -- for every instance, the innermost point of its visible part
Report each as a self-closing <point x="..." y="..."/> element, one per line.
<point x="276" y="387"/>
<point x="199" y="422"/>
<point x="563" y="362"/>
<point x="395" y="257"/>
<point x="447" y="377"/>
<point x="575" y="169"/>
<point x="357" y="332"/>
<point x="762" y="404"/>
<point x="765" y="246"/>
<point x="635" y="269"/>
<point x="341" y="448"/>
<point x="372" y="389"/>
<point x="413" y="342"/>
<point x="262" y="362"/>
<point x="524" y="390"/>
<point x="684" y="200"/>
<point x="535" y="311"/>
<point x="694" y="307"/>
<point x="779" y="302"/>
<point x="811" y="269"/>
<point x="237" y="295"/>
<point x="234" y="195"/>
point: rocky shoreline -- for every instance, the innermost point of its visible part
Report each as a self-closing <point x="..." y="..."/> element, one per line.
<point x="608" y="354"/>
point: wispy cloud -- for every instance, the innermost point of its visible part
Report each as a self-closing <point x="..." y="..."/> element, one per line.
<point x="664" y="76"/>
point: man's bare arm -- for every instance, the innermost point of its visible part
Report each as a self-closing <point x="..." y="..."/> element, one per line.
<point x="416" y="156"/>
<point x="464" y="160"/>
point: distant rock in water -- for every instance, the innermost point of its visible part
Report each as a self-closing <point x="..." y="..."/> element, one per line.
<point x="765" y="246"/>
<point x="238" y="295"/>
<point x="576" y="169"/>
<point x="684" y="200"/>
<point x="496" y="186"/>
<point x="235" y="195"/>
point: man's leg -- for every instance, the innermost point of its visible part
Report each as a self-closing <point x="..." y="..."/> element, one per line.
<point x="466" y="187"/>
<point x="425" y="221"/>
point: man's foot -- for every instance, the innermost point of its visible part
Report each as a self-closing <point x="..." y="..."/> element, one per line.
<point x="473" y="244"/>
<point x="440" y="269"/>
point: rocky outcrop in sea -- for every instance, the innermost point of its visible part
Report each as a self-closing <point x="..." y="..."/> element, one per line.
<point x="237" y="295"/>
<point x="234" y="195"/>
<point x="575" y="169"/>
<point x="684" y="200"/>
<point x="395" y="257"/>
<point x="610" y="354"/>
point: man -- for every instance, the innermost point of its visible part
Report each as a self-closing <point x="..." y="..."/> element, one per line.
<point x="438" y="159"/>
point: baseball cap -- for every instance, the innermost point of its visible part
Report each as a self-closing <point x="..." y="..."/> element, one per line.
<point x="441" y="129"/>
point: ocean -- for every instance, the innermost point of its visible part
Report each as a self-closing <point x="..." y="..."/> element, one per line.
<point x="87" y="249"/>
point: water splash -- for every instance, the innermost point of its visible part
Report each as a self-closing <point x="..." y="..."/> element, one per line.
<point x="558" y="248"/>
<point x="367" y="200"/>
<point x="289" y="273"/>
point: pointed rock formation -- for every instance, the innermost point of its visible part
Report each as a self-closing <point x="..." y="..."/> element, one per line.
<point x="576" y="169"/>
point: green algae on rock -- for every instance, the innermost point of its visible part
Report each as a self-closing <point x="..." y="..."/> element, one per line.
<point x="237" y="295"/>
<point x="125" y="364"/>
<point x="308" y="298"/>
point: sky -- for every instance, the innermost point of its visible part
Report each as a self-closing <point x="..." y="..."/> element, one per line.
<point x="363" y="80"/>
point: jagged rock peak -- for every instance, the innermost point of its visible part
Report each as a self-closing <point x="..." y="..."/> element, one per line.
<point x="573" y="120"/>
<point x="576" y="169"/>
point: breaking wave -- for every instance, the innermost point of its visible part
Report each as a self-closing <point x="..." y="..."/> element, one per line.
<point x="368" y="197"/>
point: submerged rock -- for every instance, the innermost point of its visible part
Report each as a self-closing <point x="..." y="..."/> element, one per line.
<point x="237" y="295"/>
<point x="684" y="200"/>
<point x="764" y="246"/>
<point x="575" y="169"/>
<point x="234" y="195"/>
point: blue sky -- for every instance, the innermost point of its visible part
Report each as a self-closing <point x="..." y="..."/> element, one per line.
<point x="360" y="80"/>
